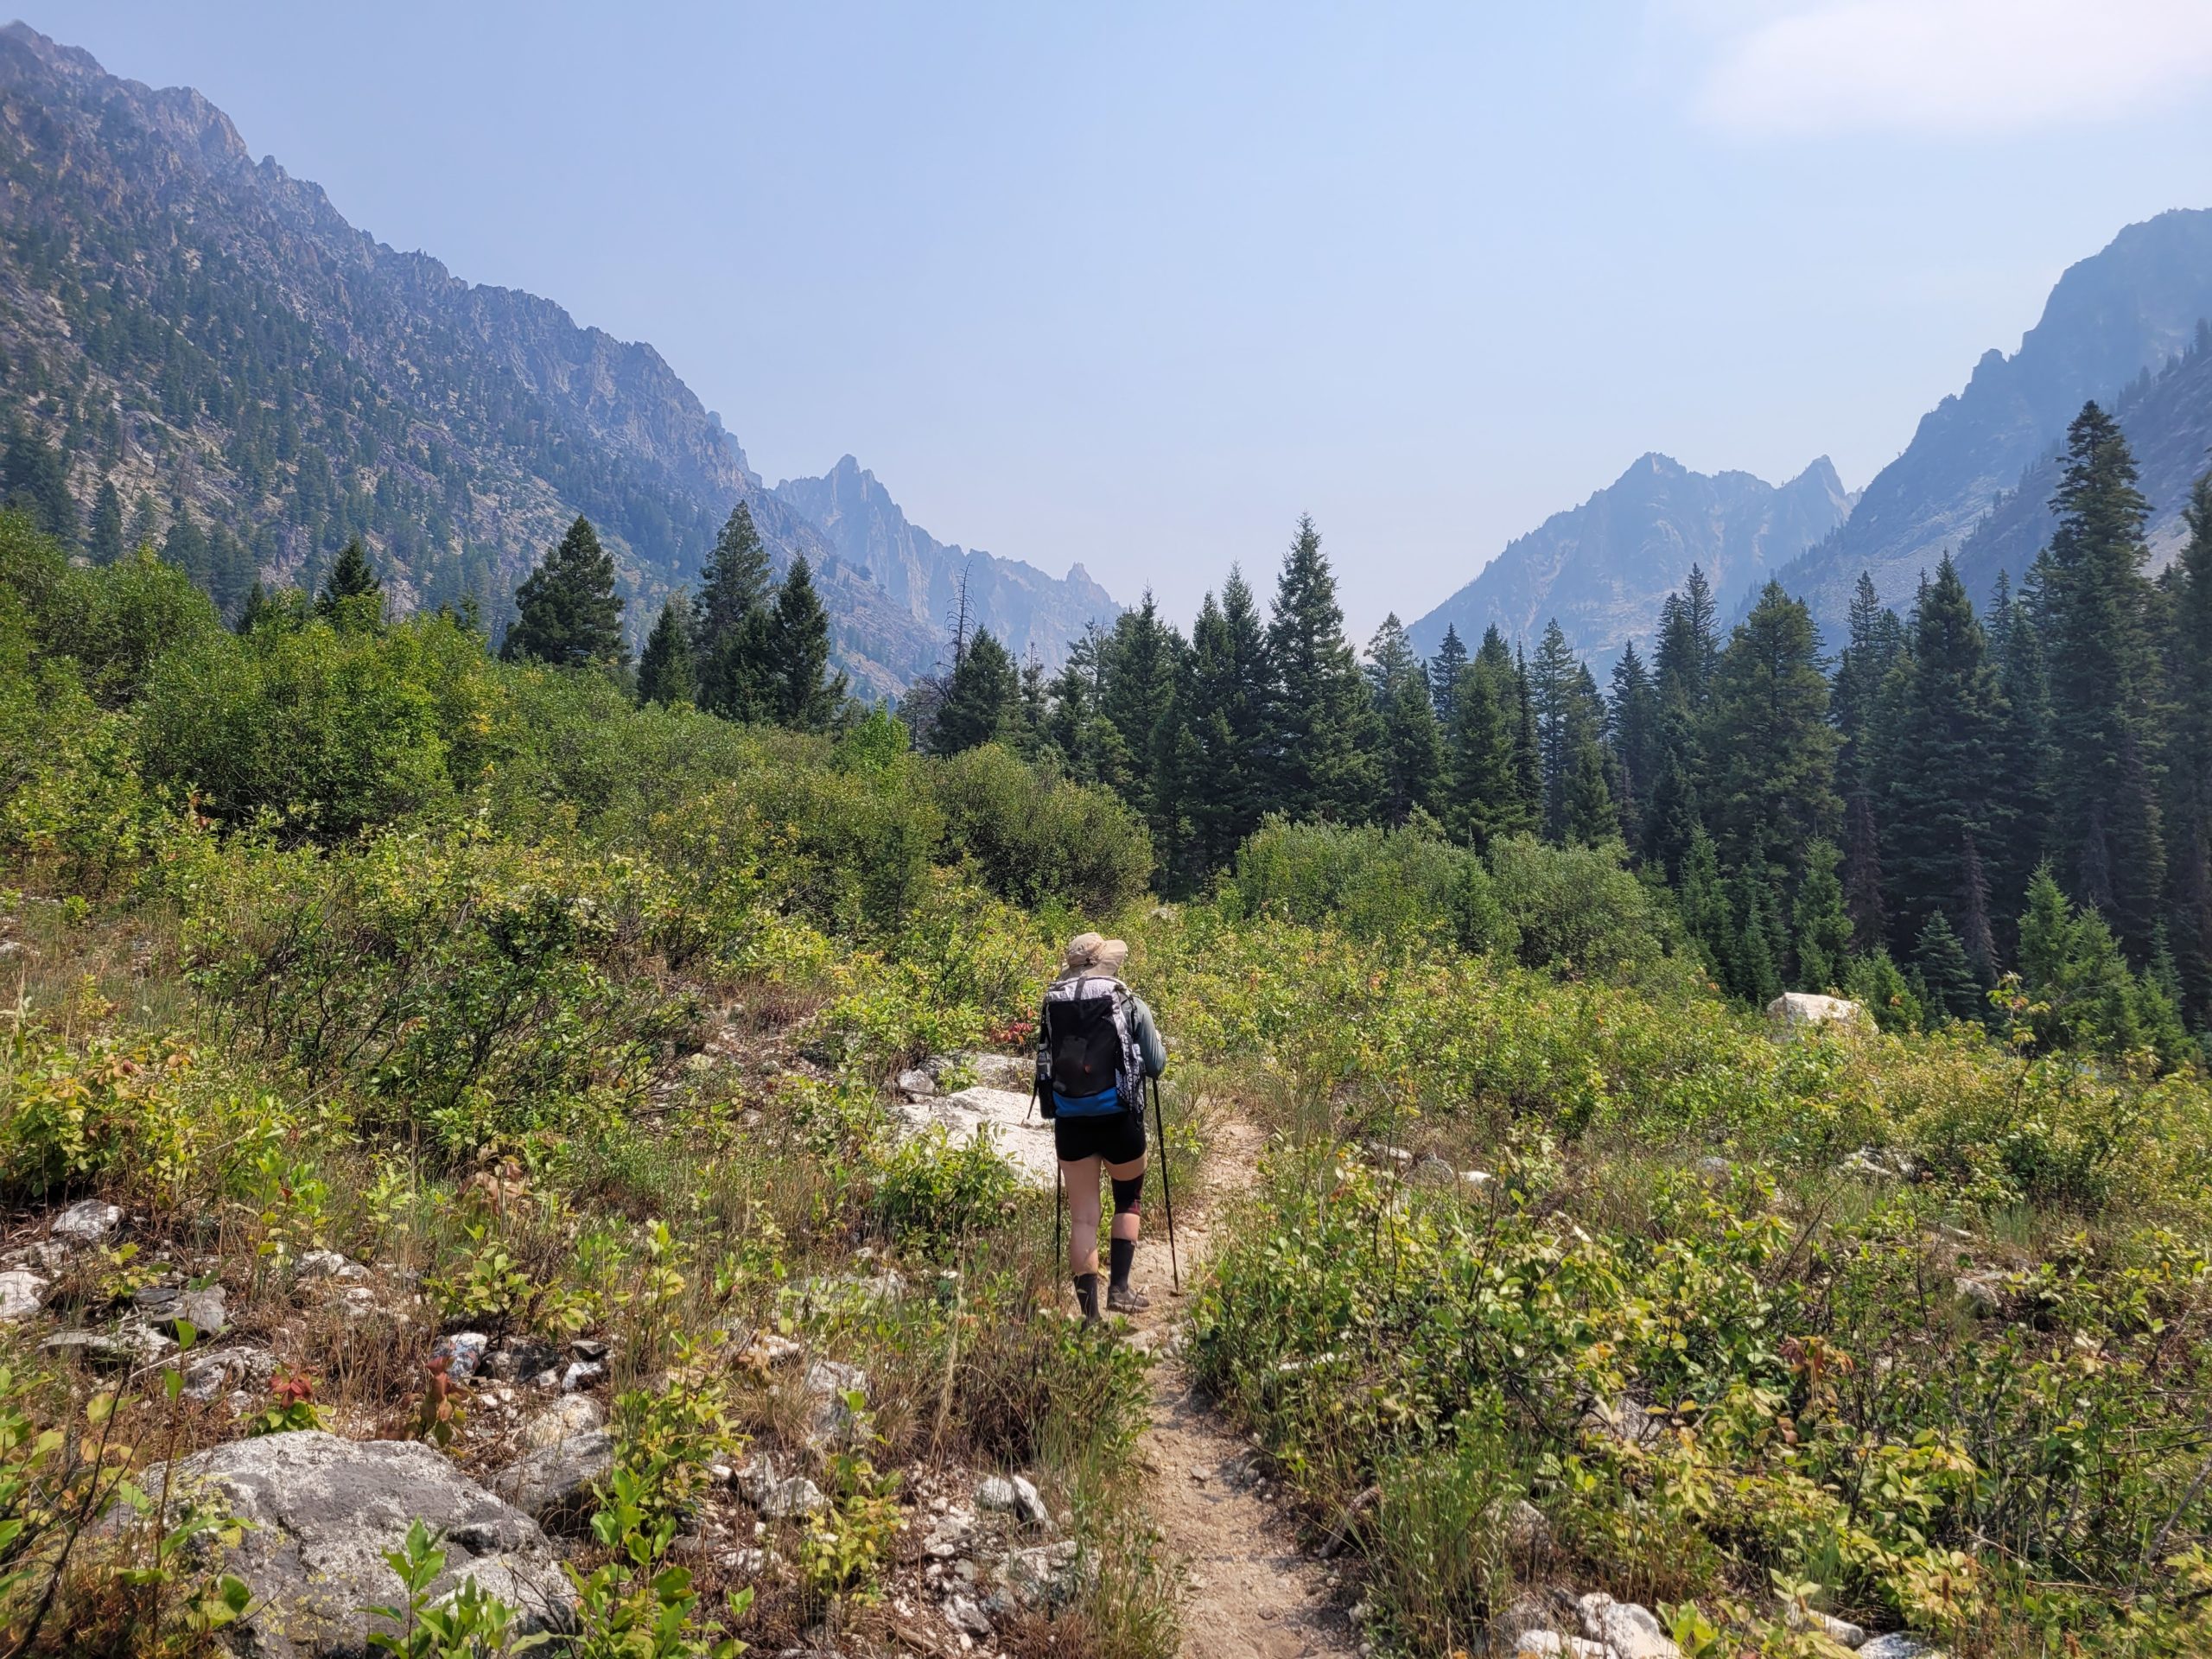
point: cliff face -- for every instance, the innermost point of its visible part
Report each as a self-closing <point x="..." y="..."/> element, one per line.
<point x="2129" y="308"/>
<point x="210" y="335"/>
<point x="1603" y="569"/>
<point x="1027" y="609"/>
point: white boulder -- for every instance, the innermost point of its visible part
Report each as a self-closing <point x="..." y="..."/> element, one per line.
<point x="1797" y="1010"/>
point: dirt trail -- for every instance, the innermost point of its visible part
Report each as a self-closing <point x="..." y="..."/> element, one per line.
<point x="1253" y="1593"/>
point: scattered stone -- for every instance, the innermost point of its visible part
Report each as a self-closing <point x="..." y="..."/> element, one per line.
<point x="1631" y="1630"/>
<point x="962" y="1613"/>
<point x="571" y="1415"/>
<point x="949" y="1536"/>
<point x="87" y="1222"/>
<point x="765" y="1350"/>
<point x="1900" y="1644"/>
<point x="1478" y="1179"/>
<point x="553" y="1486"/>
<point x="588" y="1348"/>
<point x="1043" y="1576"/>
<point x="1869" y="1162"/>
<point x="463" y="1351"/>
<point x="918" y="1083"/>
<point x="130" y="1344"/>
<point x="1979" y="1290"/>
<point x="203" y="1310"/>
<point x="520" y="1360"/>
<point x="827" y="1382"/>
<point x="212" y="1372"/>
<point x="1552" y="1642"/>
<point x="1795" y="1012"/>
<point x="788" y="1499"/>
<point x="22" y="1294"/>
<point x="320" y="1513"/>
<point x="581" y="1374"/>
<point x="1031" y="1504"/>
<point x="329" y="1264"/>
<point x="995" y="1492"/>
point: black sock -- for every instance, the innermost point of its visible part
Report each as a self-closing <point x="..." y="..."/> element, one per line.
<point x="1120" y="1253"/>
<point x="1086" y="1295"/>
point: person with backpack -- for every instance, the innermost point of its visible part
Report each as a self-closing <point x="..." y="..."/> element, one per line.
<point x="1096" y="1043"/>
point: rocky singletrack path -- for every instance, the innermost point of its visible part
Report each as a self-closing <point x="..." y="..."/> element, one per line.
<point x="1252" y="1593"/>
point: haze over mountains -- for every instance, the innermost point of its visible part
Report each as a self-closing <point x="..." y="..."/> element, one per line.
<point x="211" y="336"/>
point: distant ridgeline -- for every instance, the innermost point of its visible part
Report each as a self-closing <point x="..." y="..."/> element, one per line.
<point x="197" y="351"/>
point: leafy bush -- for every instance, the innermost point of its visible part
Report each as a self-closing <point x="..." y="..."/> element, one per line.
<point x="934" y="1194"/>
<point x="1403" y="886"/>
<point x="1037" y="840"/>
<point x="1575" y="910"/>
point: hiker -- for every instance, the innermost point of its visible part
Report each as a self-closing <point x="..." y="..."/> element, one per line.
<point x="1096" y="1046"/>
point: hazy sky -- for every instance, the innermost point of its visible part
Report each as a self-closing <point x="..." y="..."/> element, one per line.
<point x="1136" y="284"/>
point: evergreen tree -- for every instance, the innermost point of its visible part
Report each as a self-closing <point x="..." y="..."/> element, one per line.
<point x="1945" y="976"/>
<point x="1877" y="643"/>
<point x="1688" y="649"/>
<point x="1976" y="937"/>
<point x="2016" y="642"/>
<point x="1142" y="662"/>
<point x="1483" y="794"/>
<point x="1941" y="759"/>
<point x="1760" y="947"/>
<point x="35" y="481"/>
<point x="1823" y="926"/>
<point x="1634" y="728"/>
<point x="1527" y="750"/>
<point x="731" y="648"/>
<point x="351" y="589"/>
<point x="1768" y="752"/>
<point x="568" y="615"/>
<point x="1227" y="780"/>
<point x="1322" y="715"/>
<point x="1413" y="746"/>
<point x="2079" y="989"/>
<point x="982" y="698"/>
<point x="1862" y="876"/>
<point x="664" y="671"/>
<point x="1390" y="655"/>
<point x="799" y="690"/>
<point x="2188" y="761"/>
<point x="1672" y="818"/>
<point x="1588" y="817"/>
<point x="257" y="611"/>
<point x="145" y="529"/>
<point x="105" y="542"/>
<point x="1569" y="719"/>
<point x="1705" y="914"/>
<point x="2104" y="838"/>
<point x="1444" y="671"/>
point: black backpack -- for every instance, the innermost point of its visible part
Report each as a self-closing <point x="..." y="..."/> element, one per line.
<point x="1082" y="1042"/>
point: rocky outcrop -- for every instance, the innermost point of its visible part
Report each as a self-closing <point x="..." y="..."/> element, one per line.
<point x="1795" y="1011"/>
<point x="321" y="1513"/>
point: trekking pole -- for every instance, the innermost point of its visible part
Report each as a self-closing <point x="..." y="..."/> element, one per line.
<point x="1167" y="1198"/>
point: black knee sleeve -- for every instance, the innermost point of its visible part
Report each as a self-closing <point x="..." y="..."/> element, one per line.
<point x="1127" y="1193"/>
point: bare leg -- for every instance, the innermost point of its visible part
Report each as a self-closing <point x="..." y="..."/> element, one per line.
<point x="1081" y="1177"/>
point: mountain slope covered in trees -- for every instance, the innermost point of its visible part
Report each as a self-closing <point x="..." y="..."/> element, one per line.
<point x="198" y="350"/>
<point x="1603" y="568"/>
<point x="2131" y="308"/>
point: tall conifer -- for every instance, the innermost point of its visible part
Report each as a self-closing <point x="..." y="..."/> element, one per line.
<point x="1322" y="713"/>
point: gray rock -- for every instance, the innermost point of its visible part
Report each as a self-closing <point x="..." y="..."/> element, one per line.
<point x="572" y="1414"/>
<point x="329" y="1264"/>
<point x="581" y="1374"/>
<point x="828" y="1381"/>
<point x="1841" y="1632"/>
<point x="1624" y="1421"/>
<point x="211" y="1372"/>
<point x="22" y="1293"/>
<point x="1981" y="1293"/>
<point x="1631" y="1630"/>
<point x="463" y="1351"/>
<point x="1005" y="1117"/>
<point x="323" y="1511"/>
<point x="1798" y="1011"/>
<point x="520" y="1360"/>
<point x="129" y="1346"/>
<point x="1543" y="1644"/>
<point x="787" y="1499"/>
<point x="1031" y="1504"/>
<point x="919" y="1084"/>
<point x="203" y="1310"/>
<point x="1900" y="1644"/>
<point x="87" y="1222"/>
<point x="962" y="1614"/>
<point x="1047" y="1576"/>
<point x="553" y="1484"/>
<point x="995" y="1492"/>
<point x="1432" y="1172"/>
<point x="1527" y="1534"/>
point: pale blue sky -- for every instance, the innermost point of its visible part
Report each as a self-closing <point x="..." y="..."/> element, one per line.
<point x="1135" y="284"/>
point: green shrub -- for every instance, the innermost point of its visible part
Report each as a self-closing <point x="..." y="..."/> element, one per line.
<point x="1038" y="840"/>
<point x="933" y="1194"/>
<point x="1574" y="909"/>
<point x="1403" y="887"/>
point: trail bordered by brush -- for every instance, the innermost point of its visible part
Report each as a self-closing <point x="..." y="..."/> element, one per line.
<point x="1253" y="1593"/>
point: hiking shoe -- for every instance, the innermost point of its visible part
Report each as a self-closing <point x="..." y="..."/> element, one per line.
<point x="1120" y="1299"/>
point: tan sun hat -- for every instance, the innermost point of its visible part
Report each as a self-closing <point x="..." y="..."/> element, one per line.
<point x="1094" y="953"/>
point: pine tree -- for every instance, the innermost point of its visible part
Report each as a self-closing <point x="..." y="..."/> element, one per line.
<point x="351" y="589"/>
<point x="1976" y="935"/>
<point x="1528" y="749"/>
<point x="1940" y="752"/>
<point x="257" y="611"/>
<point x="1945" y="973"/>
<point x="1569" y="718"/>
<point x="1322" y="716"/>
<point x="568" y="615"/>
<point x="105" y="542"/>
<point x="730" y="643"/>
<point x="2016" y="642"/>
<point x="1768" y="749"/>
<point x="145" y="530"/>
<point x="2105" y="838"/>
<point x="1862" y="876"/>
<point x="1634" y="729"/>
<point x="1876" y="642"/>
<point x="1823" y="926"/>
<point x="1413" y="746"/>
<point x="1142" y="662"/>
<point x="1483" y="799"/>
<point x="1227" y="780"/>
<point x="1588" y="816"/>
<point x="1389" y="655"/>
<point x="1688" y="649"/>
<point x="798" y="689"/>
<point x="982" y="698"/>
<point x="1760" y="946"/>
<point x="1705" y="914"/>
<point x="2189" y="762"/>
<point x="1444" y="671"/>
<point x="1671" y="820"/>
<point x="664" y="671"/>
<point x="35" y="481"/>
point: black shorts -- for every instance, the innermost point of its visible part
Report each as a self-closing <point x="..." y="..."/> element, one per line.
<point x="1118" y="1137"/>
